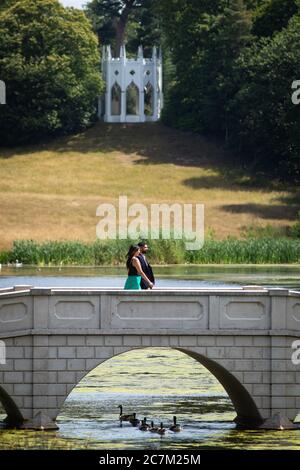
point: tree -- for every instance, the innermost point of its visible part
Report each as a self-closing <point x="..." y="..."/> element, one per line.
<point x="188" y="25"/>
<point x="234" y="34"/>
<point x="110" y="19"/>
<point x="6" y="3"/>
<point x="266" y="122"/>
<point x="133" y="22"/>
<point x="148" y="28"/>
<point x="272" y="16"/>
<point x="206" y="39"/>
<point x="49" y="60"/>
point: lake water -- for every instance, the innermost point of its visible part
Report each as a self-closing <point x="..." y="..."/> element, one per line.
<point x="167" y="276"/>
<point x="157" y="383"/>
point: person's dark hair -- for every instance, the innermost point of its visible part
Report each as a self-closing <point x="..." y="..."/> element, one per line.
<point x="142" y="244"/>
<point x="132" y="250"/>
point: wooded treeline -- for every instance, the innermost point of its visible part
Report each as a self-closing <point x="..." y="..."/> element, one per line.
<point x="229" y="69"/>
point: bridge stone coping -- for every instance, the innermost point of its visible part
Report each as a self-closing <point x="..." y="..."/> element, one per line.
<point x="113" y="310"/>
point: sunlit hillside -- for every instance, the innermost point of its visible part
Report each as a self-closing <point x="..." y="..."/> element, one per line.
<point x="52" y="190"/>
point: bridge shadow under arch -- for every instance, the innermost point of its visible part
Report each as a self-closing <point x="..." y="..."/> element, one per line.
<point x="248" y="415"/>
<point x="13" y="414"/>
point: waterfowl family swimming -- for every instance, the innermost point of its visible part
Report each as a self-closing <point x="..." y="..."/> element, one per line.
<point x="144" y="426"/>
<point x="124" y="417"/>
<point x="175" y="427"/>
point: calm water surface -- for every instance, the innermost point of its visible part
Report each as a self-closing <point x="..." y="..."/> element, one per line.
<point x="167" y="276"/>
<point x="154" y="382"/>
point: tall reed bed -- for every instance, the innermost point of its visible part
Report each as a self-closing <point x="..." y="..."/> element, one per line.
<point x="113" y="252"/>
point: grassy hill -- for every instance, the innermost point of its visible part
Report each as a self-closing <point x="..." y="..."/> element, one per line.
<point x="51" y="191"/>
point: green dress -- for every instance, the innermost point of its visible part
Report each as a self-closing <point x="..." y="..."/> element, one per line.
<point x="133" y="282"/>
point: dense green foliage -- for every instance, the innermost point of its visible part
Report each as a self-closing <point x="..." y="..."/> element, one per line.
<point x="49" y="59"/>
<point x="5" y="4"/>
<point x="231" y="250"/>
<point x="232" y="82"/>
<point x="265" y="123"/>
<point x="132" y="22"/>
<point x="272" y="16"/>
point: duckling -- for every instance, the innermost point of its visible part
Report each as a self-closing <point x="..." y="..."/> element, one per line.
<point x="175" y="427"/>
<point x="153" y="428"/>
<point x="144" y="426"/>
<point x="124" y="417"/>
<point x="134" y="420"/>
<point x="161" y="430"/>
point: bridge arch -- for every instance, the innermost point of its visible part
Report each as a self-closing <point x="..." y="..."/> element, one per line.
<point x="244" y="405"/>
<point x="14" y="416"/>
<point x="248" y="414"/>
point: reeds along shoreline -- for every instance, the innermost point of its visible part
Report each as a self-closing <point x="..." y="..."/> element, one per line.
<point x="113" y="252"/>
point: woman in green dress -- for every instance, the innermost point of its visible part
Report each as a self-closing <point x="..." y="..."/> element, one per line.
<point x="135" y="272"/>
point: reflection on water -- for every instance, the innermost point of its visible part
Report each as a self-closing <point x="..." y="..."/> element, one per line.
<point x="155" y="382"/>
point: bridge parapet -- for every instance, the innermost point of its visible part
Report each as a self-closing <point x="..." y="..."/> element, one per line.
<point x="176" y="310"/>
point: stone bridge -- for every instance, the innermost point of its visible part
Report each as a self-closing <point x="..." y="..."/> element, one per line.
<point x="53" y="337"/>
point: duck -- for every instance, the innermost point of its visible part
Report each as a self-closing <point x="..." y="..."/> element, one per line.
<point x="175" y="427"/>
<point x="124" y="417"/>
<point x="134" y="420"/>
<point x="161" y="430"/>
<point x="153" y="428"/>
<point x="144" y="426"/>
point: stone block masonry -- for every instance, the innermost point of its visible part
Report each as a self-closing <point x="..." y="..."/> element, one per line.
<point x="54" y="337"/>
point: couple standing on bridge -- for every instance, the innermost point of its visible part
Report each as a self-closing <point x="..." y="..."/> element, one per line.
<point x="140" y="274"/>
